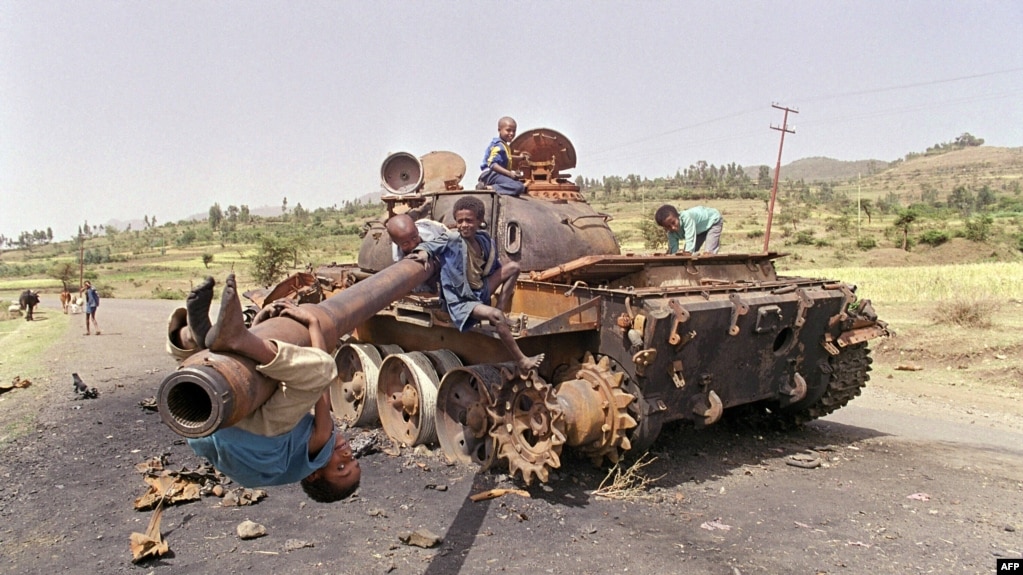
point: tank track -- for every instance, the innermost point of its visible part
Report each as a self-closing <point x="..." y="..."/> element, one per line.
<point x="849" y="371"/>
<point x="849" y="375"/>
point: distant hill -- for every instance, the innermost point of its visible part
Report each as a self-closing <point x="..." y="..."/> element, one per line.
<point x="974" y="167"/>
<point x="821" y="169"/>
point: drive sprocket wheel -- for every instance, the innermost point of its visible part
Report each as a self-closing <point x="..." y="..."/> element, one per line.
<point x="529" y="426"/>
<point x="598" y="386"/>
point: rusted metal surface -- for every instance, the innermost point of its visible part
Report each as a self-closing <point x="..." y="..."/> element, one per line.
<point x="211" y="390"/>
<point x="631" y="341"/>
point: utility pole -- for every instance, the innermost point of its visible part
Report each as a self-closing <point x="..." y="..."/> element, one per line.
<point x="777" y="169"/>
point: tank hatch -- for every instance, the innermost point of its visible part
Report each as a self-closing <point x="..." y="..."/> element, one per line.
<point x="550" y="154"/>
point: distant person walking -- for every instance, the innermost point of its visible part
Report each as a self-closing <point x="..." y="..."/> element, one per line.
<point x="91" y="303"/>
<point x="695" y="228"/>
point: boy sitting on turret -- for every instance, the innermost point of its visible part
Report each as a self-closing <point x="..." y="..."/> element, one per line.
<point x="470" y="273"/>
<point x="497" y="161"/>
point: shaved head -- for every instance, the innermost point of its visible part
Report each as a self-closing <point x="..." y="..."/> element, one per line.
<point x="403" y="231"/>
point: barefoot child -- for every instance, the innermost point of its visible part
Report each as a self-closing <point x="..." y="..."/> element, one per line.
<point x="471" y="272"/>
<point x="280" y="442"/>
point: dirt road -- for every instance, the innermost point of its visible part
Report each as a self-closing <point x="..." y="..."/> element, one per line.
<point x="906" y="485"/>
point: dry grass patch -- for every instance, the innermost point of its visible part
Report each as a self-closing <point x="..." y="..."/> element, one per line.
<point x="629" y="483"/>
<point x="966" y="312"/>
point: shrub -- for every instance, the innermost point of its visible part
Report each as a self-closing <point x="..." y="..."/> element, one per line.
<point x="172" y="294"/>
<point x="966" y="312"/>
<point x="866" y="243"/>
<point x="804" y="238"/>
<point x="654" y="237"/>
<point x="978" y="229"/>
<point x="755" y="234"/>
<point x="933" y="237"/>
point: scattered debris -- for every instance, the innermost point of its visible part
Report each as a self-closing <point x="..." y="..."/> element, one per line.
<point x="437" y="487"/>
<point x="859" y="544"/>
<point x="295" y="544"/>
<point x="715" y="524"/>
<point x="182" y="486"/>
<point x="919" y="497"/>
<point x="495" y="493"/>
<point x="420" y="538"/>
<point x="377" y="513"/>
<point x="363" y="444"/>
<point x="804" y="460"/>
<point x="83" y="391"/>
<point x="250" y="530"/>
<point x="242" y="496"/>
<point x="908" y="367"/>
<point x="630" y="484"/>
<point x="149" y="404"/>
<point x="16" y="383"/>
<point x="150" y="543"/>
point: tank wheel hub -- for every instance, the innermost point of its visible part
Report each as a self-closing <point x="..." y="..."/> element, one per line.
<point x="599" y="412"/>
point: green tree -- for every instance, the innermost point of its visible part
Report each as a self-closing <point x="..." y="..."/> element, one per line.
<point x="270" y="263"/>
<point x="978" y="229"/>
<point x="207" y="259"/>
<point x="65" y="272"/>
<point x="216" y="216"/>
<point x="903" y="222"/>
<point x="764" y="178"/>
<point x="985" y="198"/>
<point x="961" y="200"/>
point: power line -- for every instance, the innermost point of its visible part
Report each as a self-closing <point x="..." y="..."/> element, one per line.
<point x="908" y="86"/>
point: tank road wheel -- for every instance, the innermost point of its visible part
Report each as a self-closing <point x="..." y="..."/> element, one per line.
<point x="529" y="426"/>
<point x="463" y="422"/>
<point x="597" y="409"/>
<point x="353" y="395"/>
<point x="849" y="373"/>
<point x="443" y="361"/>
<point x="407" y="398"/>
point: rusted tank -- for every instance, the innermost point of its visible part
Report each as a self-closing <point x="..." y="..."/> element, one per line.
<point x="631" y="341"/>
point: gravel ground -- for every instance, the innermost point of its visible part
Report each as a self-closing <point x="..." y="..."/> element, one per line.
<point x="904" y="487"/>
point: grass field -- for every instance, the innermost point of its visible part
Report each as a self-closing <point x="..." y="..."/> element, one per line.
<point x="997" y="281"/>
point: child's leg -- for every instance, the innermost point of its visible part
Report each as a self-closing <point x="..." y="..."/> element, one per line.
<point x="509" y="274"/>
<point x="500" y="322"/>
<point x="198" y="307"/>
<point x="230" y="335"/>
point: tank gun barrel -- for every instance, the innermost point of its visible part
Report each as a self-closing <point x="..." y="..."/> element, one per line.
<point x="211" y="390"/>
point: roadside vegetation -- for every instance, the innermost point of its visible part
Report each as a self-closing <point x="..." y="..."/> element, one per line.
<point x="956" y="203"/>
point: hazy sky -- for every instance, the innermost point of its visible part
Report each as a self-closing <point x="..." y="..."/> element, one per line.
<point x="115" y="110"/>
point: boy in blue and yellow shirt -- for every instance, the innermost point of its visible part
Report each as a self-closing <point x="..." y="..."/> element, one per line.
<point x="497" y="161"/>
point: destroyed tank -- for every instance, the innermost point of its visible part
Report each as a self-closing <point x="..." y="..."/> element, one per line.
<point x="632" y="341"/>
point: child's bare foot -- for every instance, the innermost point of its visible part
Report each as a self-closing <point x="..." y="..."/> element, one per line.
<point x="230" y="329"/>
<point x="528" y="363"/>
<point x="197" y="305"/>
